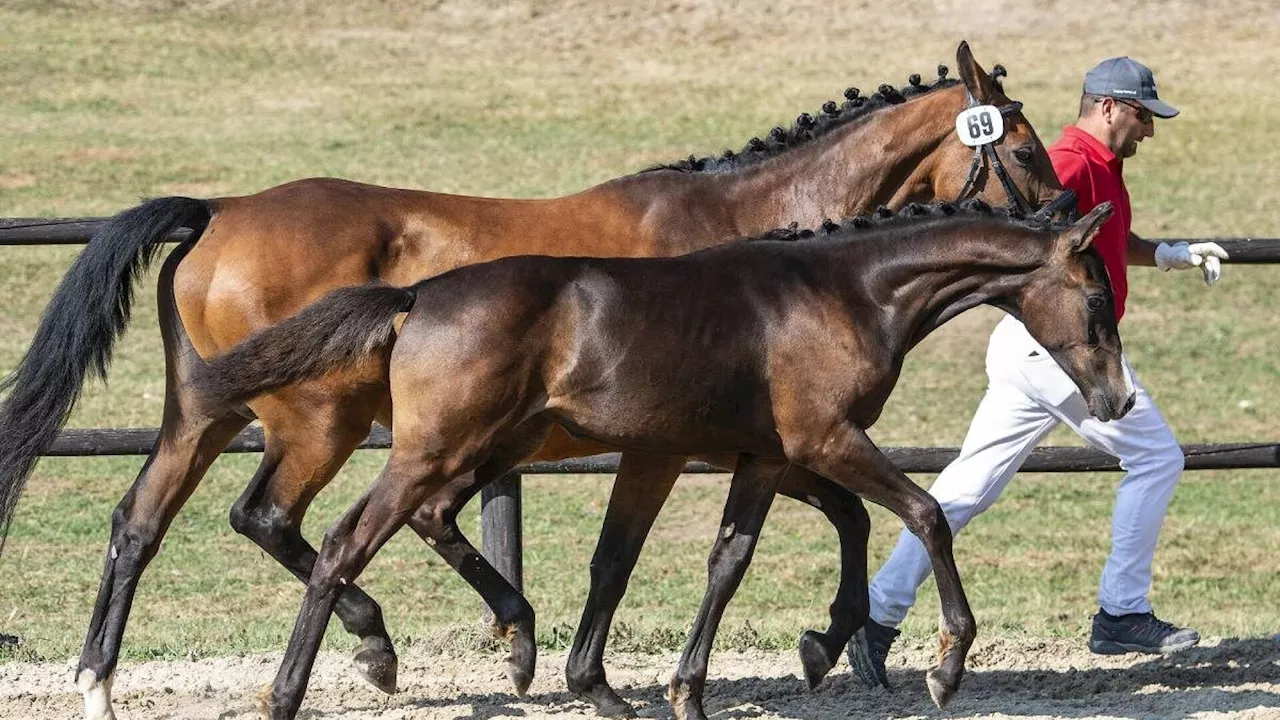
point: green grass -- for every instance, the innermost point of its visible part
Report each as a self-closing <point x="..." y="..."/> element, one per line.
<point x="107" y="105"/>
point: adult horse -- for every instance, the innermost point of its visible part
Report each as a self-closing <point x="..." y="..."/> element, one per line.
<point x="257" y="259"/>
<point x="778" y="351"/>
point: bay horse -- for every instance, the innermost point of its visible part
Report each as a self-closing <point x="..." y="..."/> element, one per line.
<point x="780" y="352"/>
<point x="254" y="260"/>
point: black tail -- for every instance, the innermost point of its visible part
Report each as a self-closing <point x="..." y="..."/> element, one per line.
<point x="88" y="312"/>
<point x="338" y="330"/>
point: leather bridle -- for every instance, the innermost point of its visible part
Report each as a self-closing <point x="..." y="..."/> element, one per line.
<point x="987" y="151"/>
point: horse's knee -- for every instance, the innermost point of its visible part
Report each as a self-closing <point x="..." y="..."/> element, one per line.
<point x="927" y="521"/>
<point x="731" y="556"/>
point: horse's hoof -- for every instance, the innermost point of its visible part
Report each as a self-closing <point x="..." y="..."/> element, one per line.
<point x="521" y="678"/>
<point x="522" y="661"/>
<point x="813" y="656"/>
<point x="939" y="689"/>
<point x="378" y="668"/>
<point x="607" y="702"/>
<point x="683" y="702"/>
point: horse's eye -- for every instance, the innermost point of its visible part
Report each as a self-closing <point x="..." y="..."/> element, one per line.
<point x="1024" y="155"/>
<point x="1096" y="302"/>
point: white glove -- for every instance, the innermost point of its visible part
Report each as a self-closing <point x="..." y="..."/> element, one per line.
<point x="1180" y="256"/>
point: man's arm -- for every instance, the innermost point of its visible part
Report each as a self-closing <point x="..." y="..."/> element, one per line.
<point x="1141" y="252"/>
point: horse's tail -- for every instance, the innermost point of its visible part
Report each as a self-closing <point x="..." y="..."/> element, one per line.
<point x="337" y="331"/>
<point x="77" y="333"/>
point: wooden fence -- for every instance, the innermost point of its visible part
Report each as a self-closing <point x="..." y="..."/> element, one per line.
<point x="501" y="501"/>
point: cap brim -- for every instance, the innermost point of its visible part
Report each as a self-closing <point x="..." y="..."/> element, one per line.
<point x="1159" y="108"/>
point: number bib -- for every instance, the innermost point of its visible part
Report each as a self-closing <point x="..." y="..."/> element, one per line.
<point x="980" y="125"/>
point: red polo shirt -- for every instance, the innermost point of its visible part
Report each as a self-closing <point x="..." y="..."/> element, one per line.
<point x="1088" y="167"/>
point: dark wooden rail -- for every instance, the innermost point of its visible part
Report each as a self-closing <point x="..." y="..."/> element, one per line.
<point x="138" y="441"/>
<point x="77" y="231"/>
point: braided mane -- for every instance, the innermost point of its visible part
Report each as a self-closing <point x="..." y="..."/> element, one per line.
<point x="807" y="128"/>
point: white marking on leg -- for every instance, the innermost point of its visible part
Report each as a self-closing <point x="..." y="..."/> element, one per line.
<point x="97" y="695"/>
<point x="813" y="501"/>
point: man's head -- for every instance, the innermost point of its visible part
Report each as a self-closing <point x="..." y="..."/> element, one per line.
<point x="1119" y="105"/>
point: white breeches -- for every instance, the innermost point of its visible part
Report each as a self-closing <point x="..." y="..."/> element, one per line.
<point x="1027" y="396"/>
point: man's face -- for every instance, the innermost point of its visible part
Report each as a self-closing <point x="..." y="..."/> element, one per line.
<point x="1130" y="124"/>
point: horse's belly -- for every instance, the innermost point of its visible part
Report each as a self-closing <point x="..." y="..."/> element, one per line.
<point x="677" y="423"/>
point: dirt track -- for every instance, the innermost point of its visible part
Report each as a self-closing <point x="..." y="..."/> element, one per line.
<point x="1007" y="679"/>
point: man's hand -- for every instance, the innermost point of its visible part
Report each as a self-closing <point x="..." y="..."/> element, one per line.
<point x="1207" y="256"/>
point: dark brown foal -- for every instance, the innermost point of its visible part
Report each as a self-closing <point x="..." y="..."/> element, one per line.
<point x="254" y="260"/>
<point x="779" y="351"/>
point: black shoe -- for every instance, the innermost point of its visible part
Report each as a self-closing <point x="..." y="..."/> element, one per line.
<point x="1138" y="632"/>
<point x="868" y="650"/>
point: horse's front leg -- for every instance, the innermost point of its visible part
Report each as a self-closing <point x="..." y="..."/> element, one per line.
<point x="750" y="495"/>
<point x="843" y="452"/>
<point x="641" y="489"/>
<point x="846" y="513"/>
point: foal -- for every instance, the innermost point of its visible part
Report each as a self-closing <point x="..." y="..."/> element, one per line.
<point x="781" y="352"/>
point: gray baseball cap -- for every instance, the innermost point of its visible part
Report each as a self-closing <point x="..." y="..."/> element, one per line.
<point x="1128" y="79"/>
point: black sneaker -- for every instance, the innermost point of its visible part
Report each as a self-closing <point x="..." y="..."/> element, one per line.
<point x="1138" y="632"/>
<point x="868" y="650"/>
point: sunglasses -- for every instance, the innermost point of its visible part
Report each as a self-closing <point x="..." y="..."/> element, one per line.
<point x="1144" y="115"/>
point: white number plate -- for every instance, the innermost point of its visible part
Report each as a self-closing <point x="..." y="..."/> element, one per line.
<point x="980" y="125"/>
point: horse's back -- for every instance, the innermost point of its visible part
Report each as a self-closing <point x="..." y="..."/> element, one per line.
<point x="263" y="257"/>
<point x="610" y="347"/>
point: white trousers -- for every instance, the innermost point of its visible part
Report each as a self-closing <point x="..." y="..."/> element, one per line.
<point x="1027" y="396"/>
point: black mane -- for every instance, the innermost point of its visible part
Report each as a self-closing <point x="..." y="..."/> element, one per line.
<point x="884" y="217"/>
<point x="807" y="127"/>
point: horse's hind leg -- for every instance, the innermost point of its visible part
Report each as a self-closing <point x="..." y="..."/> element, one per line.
<point x="305" y="448"/>
<point x="820" y="650"/>
<point x="191" y="437"/>
<point x="750" y="495"/>
<point x="436" y="522"/>
<point x="642" y="486"/>
<point x="187" y="446"/>
<point x="409" y="479"/>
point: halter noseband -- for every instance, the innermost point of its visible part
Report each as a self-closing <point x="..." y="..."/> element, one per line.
<point x="987" y="150"/>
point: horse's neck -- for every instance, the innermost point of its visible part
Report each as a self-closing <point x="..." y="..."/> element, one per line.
<point x="882" y="159"/>
<point x="926" y="281"/>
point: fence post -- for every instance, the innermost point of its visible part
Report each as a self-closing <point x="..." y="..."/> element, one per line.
<point x="501" y="536"/>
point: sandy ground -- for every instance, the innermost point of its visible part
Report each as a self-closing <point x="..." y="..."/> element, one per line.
<point x="1006" y="679"/>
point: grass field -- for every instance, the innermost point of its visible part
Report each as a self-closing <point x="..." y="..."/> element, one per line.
<point x="110" y="102"/>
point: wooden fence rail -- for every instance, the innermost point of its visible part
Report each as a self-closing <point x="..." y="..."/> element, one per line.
<point x="1228" y="456"/>
<point x="501" y="501"/>
<point x="77" y="231"/>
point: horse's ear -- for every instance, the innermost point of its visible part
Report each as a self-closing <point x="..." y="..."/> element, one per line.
<point x="976" y="79"/>
<point x="1080" y="235"/>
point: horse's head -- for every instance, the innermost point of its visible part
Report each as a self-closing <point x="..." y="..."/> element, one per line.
<point x="1013" y="163"/>
<point x="1067" y="306"/>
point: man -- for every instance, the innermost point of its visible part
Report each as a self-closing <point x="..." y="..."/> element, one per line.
<point x="1028" y="395"/>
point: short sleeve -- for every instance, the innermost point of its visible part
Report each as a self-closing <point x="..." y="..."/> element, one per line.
<point x="1075" y="174"/>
